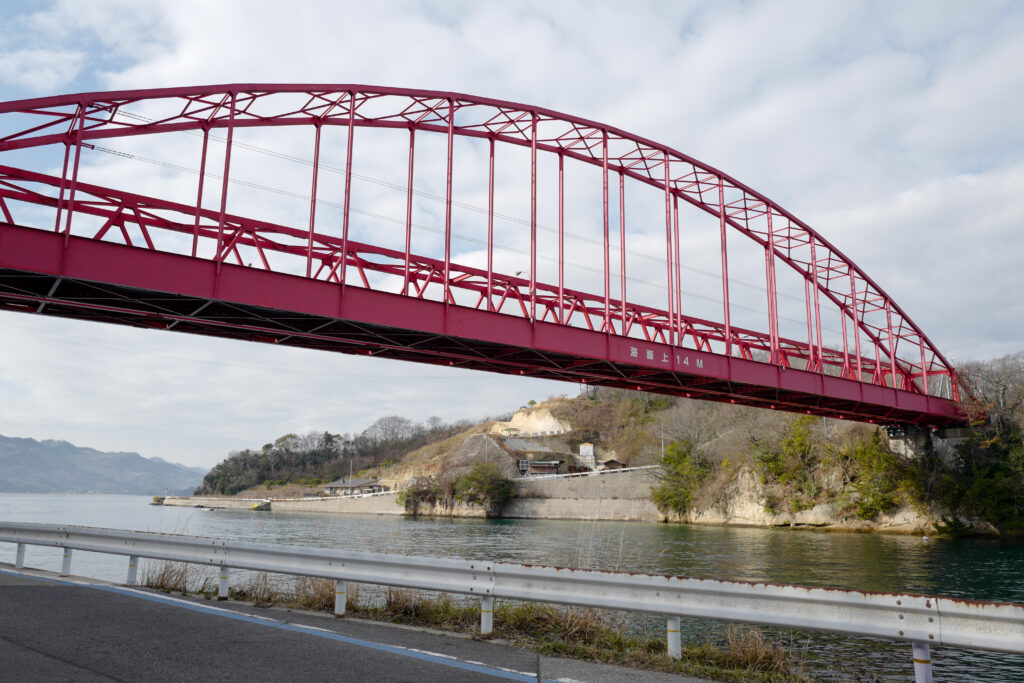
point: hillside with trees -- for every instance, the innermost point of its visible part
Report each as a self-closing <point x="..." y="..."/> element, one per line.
<point x="319" y="457"/>
<point x="795" y="462"/>
<point x="798" y="461"/>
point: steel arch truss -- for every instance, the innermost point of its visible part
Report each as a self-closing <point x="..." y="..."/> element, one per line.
<point x="897" y="357"/>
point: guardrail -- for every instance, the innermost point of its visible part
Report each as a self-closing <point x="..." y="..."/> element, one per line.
<point x="594" y="473"/>
<point x="346" y="496"/>
<point x="921" y="620"/>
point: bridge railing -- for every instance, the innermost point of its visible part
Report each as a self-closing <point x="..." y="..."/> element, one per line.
<point x="919" y="619"/>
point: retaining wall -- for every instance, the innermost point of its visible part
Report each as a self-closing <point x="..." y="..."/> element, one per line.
<point x="370" y="505"/>
<point x="612" y="496"/>
<point x="212" y="502"/>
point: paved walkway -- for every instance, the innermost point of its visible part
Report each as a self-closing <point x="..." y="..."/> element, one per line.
<point x="75" y="629"/>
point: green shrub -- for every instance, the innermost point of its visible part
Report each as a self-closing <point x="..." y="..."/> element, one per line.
<point x="788" y="459"/>
<point x="422" y="492"/>
<point x="681" y="474"/>
<point x="987" y="480"/>
<point x="486" y="486"/>
<point x="879" y="476"/>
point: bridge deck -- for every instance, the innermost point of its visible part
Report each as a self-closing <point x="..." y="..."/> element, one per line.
<point x="42" y="272"/>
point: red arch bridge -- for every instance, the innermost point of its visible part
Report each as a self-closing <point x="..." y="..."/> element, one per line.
<point x="448" y="229"/>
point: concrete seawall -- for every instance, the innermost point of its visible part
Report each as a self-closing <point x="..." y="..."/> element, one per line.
<point x="374" y="505"/>
<point x="211" y="502"/>
<point x="610" y="496"/>
<point x="386" y="504"/>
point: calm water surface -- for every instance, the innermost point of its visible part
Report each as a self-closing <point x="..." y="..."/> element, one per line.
<point x="983" y="569"/>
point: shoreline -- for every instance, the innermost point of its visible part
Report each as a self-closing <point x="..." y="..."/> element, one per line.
<point x="341" y="505"/>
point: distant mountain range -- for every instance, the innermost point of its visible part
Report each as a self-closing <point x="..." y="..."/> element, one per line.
<point x="31" y="466"/>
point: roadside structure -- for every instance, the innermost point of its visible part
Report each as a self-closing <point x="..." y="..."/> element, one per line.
<point x="351" y="487"/>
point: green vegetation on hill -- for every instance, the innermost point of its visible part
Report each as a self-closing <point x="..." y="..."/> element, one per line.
<point x="683" y="470"/>
<point x="803" y="461"/>
<point x="986" y="478"/>
<point x="484" y="484"/>
<point x="316" y="458"/>
<point x="703" y="449"/>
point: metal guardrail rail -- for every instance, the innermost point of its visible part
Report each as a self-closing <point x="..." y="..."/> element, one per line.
<point x="593" y="473"/>
<point x="375" y="494"/>
<point x="918" y="619"/>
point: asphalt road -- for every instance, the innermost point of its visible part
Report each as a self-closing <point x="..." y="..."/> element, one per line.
<point x="70" y="629"/>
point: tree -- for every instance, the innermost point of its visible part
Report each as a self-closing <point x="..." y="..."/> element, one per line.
<point x="390" y="428"/>
<point x="987" y="477"/>
<point x="998" y="384"/>
<point x="681" y="474"/>
<point x="486" y="486"/>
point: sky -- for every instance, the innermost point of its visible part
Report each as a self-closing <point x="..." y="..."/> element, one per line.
<point x="893" y="129"/>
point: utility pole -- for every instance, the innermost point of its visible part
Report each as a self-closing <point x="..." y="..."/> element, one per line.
<point x="662" y="439"/>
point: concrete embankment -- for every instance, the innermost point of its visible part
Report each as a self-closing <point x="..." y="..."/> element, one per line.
<point x="609" y="496"/>
<point x="386" y="504"/>
<point x="212" y="502"/>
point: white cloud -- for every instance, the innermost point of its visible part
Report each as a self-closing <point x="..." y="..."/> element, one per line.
<point x="41" y="71"/>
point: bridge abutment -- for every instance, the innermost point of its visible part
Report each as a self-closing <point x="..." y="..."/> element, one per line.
<point x="913" y="442"/>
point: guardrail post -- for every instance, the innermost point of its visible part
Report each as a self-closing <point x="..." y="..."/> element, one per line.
<point x="65" y="568"/>
<point x="675" y="646"/>
<point x="486" y="615"/>
<point x="19" y="559"/>
<point x="222" y="587"/>
<point x="340" y="598"/>
<point x="133" y="569"/>
<point x="922" y="663"/>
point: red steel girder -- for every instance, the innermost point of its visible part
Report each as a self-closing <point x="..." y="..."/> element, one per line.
<point x="76" y="120"/>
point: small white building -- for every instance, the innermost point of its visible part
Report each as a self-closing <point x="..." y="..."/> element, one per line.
<point x="587" y="458"/>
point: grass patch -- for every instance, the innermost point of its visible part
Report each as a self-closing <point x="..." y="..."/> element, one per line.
<point x="175" y="577"/>
<point x="315" y="594"/>
<point x="402" y="606"/>
<point x="259" y="590"/>
<point x="733" y="653"/>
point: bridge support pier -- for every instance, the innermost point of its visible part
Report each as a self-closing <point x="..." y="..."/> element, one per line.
<point x="675" y="646"/>
<point x="913" y="443"/>
<point x="922" y="663"/>
<point x="486" y="615"/>
<point x="222" y="587"/>
<point x="340" y="598"/>
<point x="65" y="567"/>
